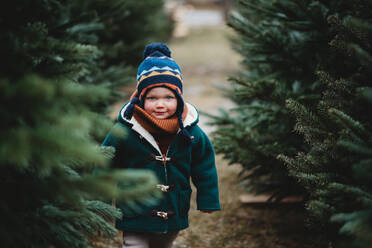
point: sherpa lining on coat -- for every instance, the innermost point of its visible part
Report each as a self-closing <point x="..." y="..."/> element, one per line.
<point x="191" y="119"/>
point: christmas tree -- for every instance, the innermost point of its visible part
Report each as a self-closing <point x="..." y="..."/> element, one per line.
<point x="282" y="44"/>
<point x="336" y="169"/>
<point x="126" y="27"/>
<point x="52" y="105"/>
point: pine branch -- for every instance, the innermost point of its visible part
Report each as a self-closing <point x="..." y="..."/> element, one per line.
<point x="348" y="122"/>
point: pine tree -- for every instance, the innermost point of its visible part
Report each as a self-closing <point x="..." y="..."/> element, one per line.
<point x="126" y="39"/>
<point x="126" y="27"/>
<point x="52" y="116"/>
<point x="335" y="170"/>
<point x="282" y="43"/>
<point x="357" y="221"/>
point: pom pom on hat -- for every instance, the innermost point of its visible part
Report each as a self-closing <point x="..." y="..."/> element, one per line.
<point x="156" y="47"/>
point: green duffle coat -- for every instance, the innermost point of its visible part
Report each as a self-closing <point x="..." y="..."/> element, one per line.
<point x="139" y="150"/>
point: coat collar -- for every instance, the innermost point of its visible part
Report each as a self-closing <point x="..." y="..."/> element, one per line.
<point x="192" y="118"/>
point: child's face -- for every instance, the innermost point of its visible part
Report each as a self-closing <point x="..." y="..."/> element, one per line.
<point x="160" y="102"/>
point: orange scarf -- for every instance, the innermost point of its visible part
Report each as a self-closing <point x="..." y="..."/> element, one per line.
<point x="158" y="126"/>
<point x="163" y="130"/>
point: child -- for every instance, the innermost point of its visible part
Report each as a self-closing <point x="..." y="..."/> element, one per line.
<point x="163" y="136"/>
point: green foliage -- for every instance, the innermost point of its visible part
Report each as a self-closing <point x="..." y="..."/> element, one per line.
<point x="282" y="43"/>
<point x="125" y="39"/>
<point x="337" y="165"/>
<point x="126" y="27"/>
<point x="56" y="81"/>
<point x="93" y="42"/>
<point x="46" y="138"/>
<point x="358" y="222"/>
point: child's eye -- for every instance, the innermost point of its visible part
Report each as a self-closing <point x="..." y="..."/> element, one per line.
<point x="169" y="97"/>
<point x="151" y="98"/>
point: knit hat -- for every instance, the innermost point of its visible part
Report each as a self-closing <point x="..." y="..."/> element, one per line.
<point x="158" y="69"/>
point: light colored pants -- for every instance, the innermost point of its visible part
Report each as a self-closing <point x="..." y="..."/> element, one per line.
<point x="148" y="240"/>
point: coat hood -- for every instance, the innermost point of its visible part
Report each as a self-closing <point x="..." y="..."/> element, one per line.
<point x="192" y="118"/>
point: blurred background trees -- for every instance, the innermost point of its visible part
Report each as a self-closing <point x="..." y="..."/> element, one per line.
<point x="62" y="62"/>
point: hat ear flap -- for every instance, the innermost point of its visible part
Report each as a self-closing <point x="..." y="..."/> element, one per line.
<point x="130" y="109"/>
<point x="180" y="104"/>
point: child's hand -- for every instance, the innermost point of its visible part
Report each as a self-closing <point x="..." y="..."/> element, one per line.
<point x="207" y="211"/>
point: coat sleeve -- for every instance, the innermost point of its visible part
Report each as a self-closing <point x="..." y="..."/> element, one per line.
<point x="115" y="139"/>
<point x="204" y="173"/>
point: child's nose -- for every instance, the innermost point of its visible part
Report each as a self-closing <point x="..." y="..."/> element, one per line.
<point x="160" y="103"/>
